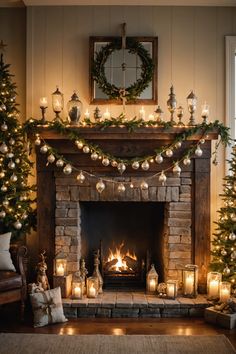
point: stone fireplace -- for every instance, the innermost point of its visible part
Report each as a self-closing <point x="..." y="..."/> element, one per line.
<point x="75" y="218"/>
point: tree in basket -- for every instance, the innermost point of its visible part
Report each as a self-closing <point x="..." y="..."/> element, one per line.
<point x="224" y="243"/>
<point x="16" y="211"/>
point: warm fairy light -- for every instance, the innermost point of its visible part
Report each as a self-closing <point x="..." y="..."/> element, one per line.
<point x="118" y="255"/>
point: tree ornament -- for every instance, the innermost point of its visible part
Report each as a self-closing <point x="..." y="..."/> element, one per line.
<point x="4" y="188"/>
<point x="135" y="165"/>
<point x="187" y="161"/>
<point x="159" y="158"/>
<point x="9" y="155"/>
<point x="100" y="186"/>
<point x="4" y="127"/>
<point x="80" y="177"/>
<point x="3" y="148"/>
<point x="233" y="255"/>
<point x="162" y="178"/>
<point x="131" y="185"/>
<point x="37" y="140"/>
<point x="44" y="149"/>
<point x="121" y="188"/>
<point x="79" y="144"/>
<point x="144" y="185"/>
<point x="24" y="216"/>
<point x="17" y="161"/>
<point x="105" y="161"/>
<point x="202" y="141"/>
<point x="60" y="163"/>
<point x="11" y="165"/>
<point x="2" y="174"/>
<point x="2" y="214"/>
<point x="17" y="225"/>
<point x="67" y="169"/>
<point x="223" y="252"/>
<point x="226" y="270"/>
<point x="86" y="149"/>
<point x="145" y="165"/>
<point x="13" y="178"/>
<point x="5" y="202"/>
<point x="198" y="151"/>
<point x="178" y="144"/>
<point x="94" y="156"/>
<point x="114" y="163"/>
<point x="51" y="158"/>
<point x="169" y="152"/>
<point x="12" y="141"/>
<point x="232" y="236"/>
<point x="176" y="169"/>
<point x="121" y="167"/>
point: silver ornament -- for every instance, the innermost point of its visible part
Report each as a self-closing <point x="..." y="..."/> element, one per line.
<point x="131" y="185"/>
<point x="159" y="158"/>
<point x="121" y="167"/>
<point x="233" y="255"/>
<point x="144" y="185"/>
<point x="162" y="178"/>
<point x="169" y="152"/>
<point x="86" y="149"/>
<point x="67" y="169"/>
<point x="79" y="144"/>
<point x="121" y="188"/>
<point x="100" y="186"/>
<point x="202" y="141"/>
<point x="94" y="156"/>
<point x="13" y="178"/>
<point x="178" y="144"/>
<point x="10" y="155"/>
<point x="17" y="225"/>
<point x="176" y="170"/>
<point x="198" y="151"/>
<point x="2" y="214"/>
<point x="80" y="178"/>
<point x="2" y="174"/>
<point x="232" y="236"/>
<point x="226" y="270"/>
<point x="135" y="165"/>
<point x="11" y="165"/>
<point x="60" y="163"/>
<point x="12" y="141"/>
<point x="51" y="158"/>
<point x="4" y="127"/>
<point x="223" y="252"/>
<point x="24" y="216"/>
<point x="187" y="161"/>
<point x="37" y="141"/>
<point x="17" y="161"/>
<point x="4" y="188"/>
<point x="105" y="161"/>
<point x="3" y="148"/>
<point x="114" y="163"/>
<point x="5" y="202"/>
<point x="44" y="149"/>
<point x="145" y="165"/>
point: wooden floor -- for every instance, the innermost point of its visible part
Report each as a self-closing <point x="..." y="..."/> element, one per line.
<point x="112" y="326"/>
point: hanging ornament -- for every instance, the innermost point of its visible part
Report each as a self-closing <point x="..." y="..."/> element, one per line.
<point x="176" y="169"/>
<point x="105" y="161"/>
<point x="135" y="165"/>
<point x="2" y="214"/>
<point x="121" y="188"/>
<point x="17" y="225"/>
<point x="232" y="236"/>
<point x="11" y="165"/>
<point x="9" y="155"/>
<point x="79" y="144"/>
<point x="169" y="152"/>
<point x="223" y="252"/>
<point x="4" y="188"/>
<point x="44" y="149"/>
<point x="67" y="169"/>
<point x="2" y="174"/>
<point x="86" y="149"/>
<point x="131" y="185"/>
<point x="13" y="178"/>
<point x="24" y="216"/>
<point x="233" y="255"/>
<point x="51" y="158"/>
<point x="145" y="165"/>
<point x="11" y="141"/>
<point x="5" y="202"/>
<point x="94" y="156"/>
<point x="187" y="161"/>
<point x="202" y="141"/>
<point x="226" y="270"/>
<point x="114" y="163"/>
<point x="80" y="178"/>
<point x="37" y="140"/>
<point x="4" y="127"/>
<point x="60" y="163"/>
<point x="3" y="148"/>
<point x="162" y="178"/>
<point x="100" y="186"/>
<point x="144" y="185"/>
<point x="17" y="161"/>
<point x="159" y="158"/>
<point x="121" y="167"/>
<point x="178" y="144"/>
<point x="198" y="151"/>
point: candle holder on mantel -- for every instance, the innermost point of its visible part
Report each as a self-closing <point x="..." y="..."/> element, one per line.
<point x="43" y="103"/>
<point x="171" y="289"/>
<point x="57" y="103"/>
<point x="213" y="285"/>
<point x="92" y="287"/>
<point x="171" y="104"/>
<point x="77" y="286"/>
<point x="192" y="106"/>
<point x="60" y="277"/>
<point x="151" y="280"/>
<point x="190" y="280"/>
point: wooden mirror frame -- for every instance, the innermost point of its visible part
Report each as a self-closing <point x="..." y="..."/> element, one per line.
<point x="153" y="100"/>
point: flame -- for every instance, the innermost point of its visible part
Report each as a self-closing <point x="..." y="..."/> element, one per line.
<point x="121" y="264"/>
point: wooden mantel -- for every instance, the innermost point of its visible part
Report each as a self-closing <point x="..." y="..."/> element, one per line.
<point x="121" y="143"/>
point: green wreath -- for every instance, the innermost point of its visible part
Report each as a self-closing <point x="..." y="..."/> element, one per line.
<point x="133" y="91"/>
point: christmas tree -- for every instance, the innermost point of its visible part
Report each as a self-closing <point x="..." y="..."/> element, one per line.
<point x="224" y="243"/>
<point x="16" y="204"/>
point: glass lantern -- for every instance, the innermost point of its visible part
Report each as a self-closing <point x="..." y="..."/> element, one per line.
<point x="190" y="280"/>
<point x="171" y="289"/>
<point x="74" y="107"/>
<point x="225" y="290"/>
<point x="151" y="280"/>
<point x="192" y="106"/>
<point x="60" y="264"/>
<point x="57" y="102"/>
<point x="213" y="285"/>
<point x="92" y="287"/>
<point x="158" y="112"/>
<point x="78" y="286"/>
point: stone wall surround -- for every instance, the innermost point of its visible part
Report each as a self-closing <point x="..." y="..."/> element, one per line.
<point x="177" y="240"/>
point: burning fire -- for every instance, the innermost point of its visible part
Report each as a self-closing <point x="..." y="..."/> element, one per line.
<point x="119" y="256"/>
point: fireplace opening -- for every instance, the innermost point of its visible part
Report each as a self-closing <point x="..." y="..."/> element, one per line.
<point x="129" y="236"/>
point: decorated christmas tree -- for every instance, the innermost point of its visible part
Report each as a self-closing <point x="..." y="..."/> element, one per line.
<point x="16" y="211"/>
<point x="224" y="243"/>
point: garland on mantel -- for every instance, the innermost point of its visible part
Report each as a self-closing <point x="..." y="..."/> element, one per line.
<point x="139" y="162"/>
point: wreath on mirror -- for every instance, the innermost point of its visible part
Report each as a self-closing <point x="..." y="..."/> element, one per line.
<point x="132" y="92"/>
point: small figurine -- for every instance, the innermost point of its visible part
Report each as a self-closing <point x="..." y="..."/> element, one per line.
<point x="96" y="272"/>
<point x="97" y="114"/>
<point x="41" y="272"/>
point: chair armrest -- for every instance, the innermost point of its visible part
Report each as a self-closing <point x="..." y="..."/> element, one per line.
<point x="21" y="262"/>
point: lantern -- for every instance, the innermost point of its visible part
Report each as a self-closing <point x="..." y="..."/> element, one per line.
<point x="74" y="107"/>
<point x="190" y="280"/>
<point x="78" y="286"/>
<point x="158" y="112"/>
<point x="213" y="285"/>
<point x="60" y="264"/>
<point x="171" y="289"/>
<point x="225" y="289"/>
<point x="57" y="102"/>
<point x="192" y="106"/>
<point x="151" y="280"/>
<point x="92" y="287"/>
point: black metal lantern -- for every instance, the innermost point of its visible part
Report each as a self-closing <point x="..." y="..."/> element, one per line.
<point x="74" y="107"/>
<point x="57" y="102"/>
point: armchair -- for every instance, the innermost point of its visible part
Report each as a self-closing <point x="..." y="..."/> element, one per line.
<point x="13" y="286"/>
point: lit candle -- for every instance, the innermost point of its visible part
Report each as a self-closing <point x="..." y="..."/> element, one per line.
<point x="92" y="291"/>
<point x="152" y="285"/>
<point x="57" y="106"/>
<point x="77" y="291"/>
<point x="43" y="102"/>
<point x="142" y="113"/>
<point x="151" y="116"/>
<point x="87" y="114"/>
<point x="225" y="288"/>
<point x="205" y="110"/>
<point x="60" y="270"/>
<point x="189" y="284"/>
<point x="170" y="290"/>
<point x="214" y="288"/>
<point x="106" y="115"/>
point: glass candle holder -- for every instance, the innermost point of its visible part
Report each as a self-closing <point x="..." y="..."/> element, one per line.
<point x="77" y="286"/>
<point x="213" y="285"/>
<point x="57" y="102"/>
<point x="151" y="280"/>
<point x="190" y="280"/>
<point x="171" y="289"/>
<point x="60" y="265"/>
<point x="225" y="289"/>
<point x="92" y="287"/>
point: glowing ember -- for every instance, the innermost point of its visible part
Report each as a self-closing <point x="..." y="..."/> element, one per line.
<point x="118" y="260"/>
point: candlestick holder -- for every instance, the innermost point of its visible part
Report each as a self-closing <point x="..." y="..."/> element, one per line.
<point x="57" y="103"/>
<point x="171" y="104"/>
<point x="43" y="102"/>
<point x="205" y="112"/>
<point x="192" y="106"/>
<point x="180" y="114"/>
